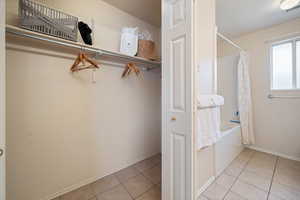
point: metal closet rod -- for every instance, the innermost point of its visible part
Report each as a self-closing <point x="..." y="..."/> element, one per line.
<point x="32" y="35"/>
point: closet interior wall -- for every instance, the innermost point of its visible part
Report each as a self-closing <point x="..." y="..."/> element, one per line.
<point x="63" y="131"/>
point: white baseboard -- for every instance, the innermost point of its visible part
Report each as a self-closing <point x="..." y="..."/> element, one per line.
<point x="88" y="181"/>
<point x="274" y="153"/>
<point x="72" y="187"/>
<point x="205" y="186"/>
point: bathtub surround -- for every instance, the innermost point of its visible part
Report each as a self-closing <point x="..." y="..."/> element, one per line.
<point x="228" y="147"/>
<point x="224" y="151"/>
<point x="276" y="121"/>
<point x="245" y="100"/>
<point x="227" y="84"/>
<point x="243" y="92"/>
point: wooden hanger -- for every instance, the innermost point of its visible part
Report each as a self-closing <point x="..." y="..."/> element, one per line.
<point x="80" y="63"/>
<point x="131" y="67"/>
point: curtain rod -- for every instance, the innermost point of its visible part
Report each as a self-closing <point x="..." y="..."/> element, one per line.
<point x="229" y="41"/>
<point x="294" y="8"/>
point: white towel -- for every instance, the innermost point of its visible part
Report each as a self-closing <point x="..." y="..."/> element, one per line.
<point x="210" y="101"/>
<point x="208" y="127"/>
<point x="218" y="100"/>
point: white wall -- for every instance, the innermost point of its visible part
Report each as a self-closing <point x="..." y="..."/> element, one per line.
<point x="2" y="97"/>
<point x="62" y="130"/>
<point x="276" y="121"/>
<point x="205" y="51"/>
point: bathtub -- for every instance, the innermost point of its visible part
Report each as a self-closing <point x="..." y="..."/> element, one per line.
<point x="228" y="147"/>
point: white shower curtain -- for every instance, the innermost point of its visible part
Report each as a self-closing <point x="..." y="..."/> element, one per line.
<point x="245" y="100"/>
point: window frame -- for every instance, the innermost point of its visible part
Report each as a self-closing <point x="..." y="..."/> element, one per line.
<point x="294" y="41"/>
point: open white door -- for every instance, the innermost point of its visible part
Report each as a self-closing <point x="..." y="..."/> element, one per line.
<point x="177" y="90"/>
<point x="2" y="99"/>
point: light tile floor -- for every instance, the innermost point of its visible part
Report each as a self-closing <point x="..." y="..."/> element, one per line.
<point x="141" y="181"/>
<point x="252" y="175"/>
<point x="255" y="175"/>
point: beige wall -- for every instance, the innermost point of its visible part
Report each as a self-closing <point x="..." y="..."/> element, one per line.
<point x="276" y="122"/>
<point x="62" y="130"/>
<point x="2" y="97"/>
<point x="108" y="20"/>
<point x="204" y="56"/>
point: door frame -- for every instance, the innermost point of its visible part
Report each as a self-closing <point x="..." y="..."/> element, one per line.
<point x="2" y="98"/>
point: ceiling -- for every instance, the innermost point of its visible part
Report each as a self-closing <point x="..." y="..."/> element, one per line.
<point x="234" y="17"/>
<point x="147" y="10"/>
<point x="237" y="17"/>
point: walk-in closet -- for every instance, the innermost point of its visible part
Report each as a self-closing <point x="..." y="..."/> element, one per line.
<point x="91" y="111"/>
<point x="89" y="129"/>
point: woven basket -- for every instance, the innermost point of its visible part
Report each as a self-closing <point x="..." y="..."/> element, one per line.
<point x="146" y="49"/>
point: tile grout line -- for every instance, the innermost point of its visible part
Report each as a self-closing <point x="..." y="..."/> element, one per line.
<point x="140" y="173"/>
<point x="144" y="192"/>
<point x="126" y="188"/>
<point x="122" y="184"/>
<point x="106" y="190"/>
<point x="110" y="189"/>
<point x="258" y="188"/>
<point x="237" y="178"/>
<point x="229" y="190"/>
<point x="274" y="171"/>
<point x="153" y="184"/>
<point x="270" y="180"/>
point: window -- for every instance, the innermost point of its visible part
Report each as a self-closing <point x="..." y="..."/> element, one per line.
<point x="285" y="61"/>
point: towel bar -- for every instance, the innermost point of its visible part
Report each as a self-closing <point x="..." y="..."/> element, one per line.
<point x="207" y="107"/>
<point x="283" y="97"/>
